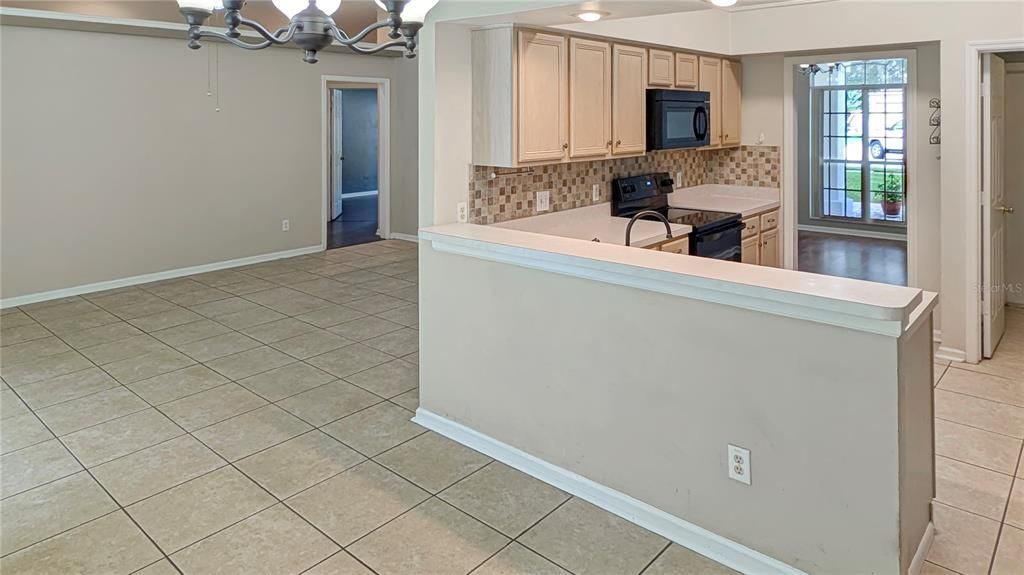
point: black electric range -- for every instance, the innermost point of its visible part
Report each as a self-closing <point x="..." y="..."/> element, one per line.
<point x="715" y="234"/>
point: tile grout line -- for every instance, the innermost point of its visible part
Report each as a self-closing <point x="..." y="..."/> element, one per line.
<point x="1002" y="522"/>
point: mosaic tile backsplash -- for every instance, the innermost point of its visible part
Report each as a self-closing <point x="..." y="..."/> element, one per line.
<point x="509" y="195"/>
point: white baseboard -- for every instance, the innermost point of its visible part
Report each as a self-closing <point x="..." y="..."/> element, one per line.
<point x="951" y="354"/>
<point x="849" y="232"/>
<point x="917" y="563"/>
<point x="406" y="237"/>
<point x="153" y="277"/>
<point x="700" y="540"/>
<point x="937" y="335"/>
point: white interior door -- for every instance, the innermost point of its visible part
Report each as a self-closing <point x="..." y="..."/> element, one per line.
<point x="993" y="209"/>
<point x="338" y="153"/>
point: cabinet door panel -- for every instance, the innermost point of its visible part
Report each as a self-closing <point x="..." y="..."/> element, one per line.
<point x="731" y="93"/>
<point x="770" y="248"/>
<point x="687" y="73"/>
<point x="661" y="68"/>
<point x="590" y="98"/>
<point x="711" y="82"/>
<point x="751" y="250"/>
<point x="629" y="99"/>
<point x="543" y="103"/>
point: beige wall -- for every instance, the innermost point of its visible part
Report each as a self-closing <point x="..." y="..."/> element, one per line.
<point x="646" y="403"/>
<point x="116" y="164"/>
<point x="1015" y="182"/>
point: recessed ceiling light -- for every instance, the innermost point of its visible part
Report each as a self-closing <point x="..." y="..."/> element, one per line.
<point x="591" y="15"/>
<point x="723" y="3"/>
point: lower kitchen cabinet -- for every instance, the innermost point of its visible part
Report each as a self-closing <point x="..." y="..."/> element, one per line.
<point x="678" y="245"/>
<point x="769" y="253"/>
<point x="761" y="242"/>
<point x="751" y="250"/>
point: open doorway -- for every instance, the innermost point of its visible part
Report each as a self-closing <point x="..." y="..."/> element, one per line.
<point x="357" y="193"/>
<point x="852" y="135"/>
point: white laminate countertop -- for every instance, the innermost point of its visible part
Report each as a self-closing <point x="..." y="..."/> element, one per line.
<point x="594" y="222"/>
<point x="745" y="200"/>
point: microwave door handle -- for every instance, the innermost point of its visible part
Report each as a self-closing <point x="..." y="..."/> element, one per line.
<point x="700" y="122"/>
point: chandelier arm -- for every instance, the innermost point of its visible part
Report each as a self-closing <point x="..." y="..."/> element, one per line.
<point x="280" y="36"/>
<point x="343" y="39"/>
<point x="378" y="47"/>
<point x="232" y="40"/>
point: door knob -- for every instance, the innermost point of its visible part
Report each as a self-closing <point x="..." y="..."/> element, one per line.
<point x="1006" y="209"/>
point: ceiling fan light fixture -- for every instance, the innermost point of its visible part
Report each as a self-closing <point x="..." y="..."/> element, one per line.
<point x="292" y="7"/>
<point x="723" y="3"/>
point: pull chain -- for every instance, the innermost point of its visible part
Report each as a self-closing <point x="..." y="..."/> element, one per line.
<point x="217" y="56"/>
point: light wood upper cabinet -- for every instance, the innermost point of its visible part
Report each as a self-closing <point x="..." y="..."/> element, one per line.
<point x="590" y="98"/>
<point x="629" y="99"/>
<point x="711" y="82"/>
<point x="661" y="68"/>
<point x="687" y="72"/>
<point x="732" y="78"/>
<point x="543" y="103"/>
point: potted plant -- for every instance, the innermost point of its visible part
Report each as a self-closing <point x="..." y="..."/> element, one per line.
<point x="892" y="195"/>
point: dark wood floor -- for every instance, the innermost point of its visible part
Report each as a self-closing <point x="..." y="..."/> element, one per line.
<point x="870" y="259"/>
<point x="356" y="225"/>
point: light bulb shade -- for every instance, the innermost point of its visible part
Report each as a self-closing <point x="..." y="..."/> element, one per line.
<point x="414" y="10"/>
<point x="292" y="7"/>
<point x="723" y="3"/>
<point x="210" y="5"/>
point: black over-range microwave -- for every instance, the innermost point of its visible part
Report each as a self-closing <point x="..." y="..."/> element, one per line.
<point x="677" y="119"/>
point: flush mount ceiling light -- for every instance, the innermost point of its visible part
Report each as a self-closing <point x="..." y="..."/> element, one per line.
<point x="590" y="15"/>
<point x="723" y="3"/>
<point x="311" y="26"/>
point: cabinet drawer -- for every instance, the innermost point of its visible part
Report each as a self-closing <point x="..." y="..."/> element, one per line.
<point x="769" y="221"/>
<point x="677" y="246"/>
<point x="753" y="227"/>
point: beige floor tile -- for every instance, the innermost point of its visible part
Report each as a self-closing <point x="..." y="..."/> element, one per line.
<point x="162" y="567"/>
<point x="218" y="346"/>
<point x="286" y="381"/>
<point x="518" y="560"/>
<point x="34" y="466"/>
<point x="963" y="541"/>
<point x="981" y="413"/>
<point x="331" y="316"/>
<point x="504" y="498"/>
<point x="586" y="539"/>
<point x="248" y="433"/>
<point x="1015" y="509"/>
<point x="1008" y="360"/>
<point x="190" y="332"/>
<point x="212" y="406"/>
<point x="349" y="360"/>
<point x="251" y="362"/>
<point x="221" y="277"/>
<point x="983" y="385"/>
<point x="432" y="461"/>
<point x="288" y="301"/>
<point x="329" y="402"/>
<point x="341" y="563"/>
<point x="11" y="405"/>
<point x="142" y="309"/>
<point x="177" y="384"/>
<point x="377" y="303"/>
<point x="106" y="441"/>
<point x="198" y="508"/>
<point x="1009" y="558"/>
<point x="408" y="315"/>
<point x="65" y="325"/>
<point x="49" y="509"/>
<point x="358" y="276"/>
<point x="111" y="545"/>
<point x="409" y="400"/>
<point x="70" y="416"/>
<point x="977" y="446"/>
<point x="154" y="469"/>
<point x="50" y="367"/>
<point x="350" y="505"/>
<point x="298" y="463"/>
<point x="66" y="387"/>
<point x="250" y="318"/>
<point x="11" y="335"/>
<point x="278" y="330"/>
<point x="413" y="358"/>
<point x="971" y="488"/>
<point x="134" y="346"/>
<point x="311" y="344"/>
<point x="146" y="366"/>
<point x="677" y="559"/>
<point x="22" y="431"/>
<point x="432" y="538"/>
<point x="165" y="319"/>
<point x="386" y="284"/>
<point x="933" y="569"/>
<point x="365" y="328"/>
<point x="343" y="294"/>
<point x="388" y="379"/>
<point x="273" y="541"/>
<point x="397" y="343"/>
<point x="11" y="354"/>
<point x="223" y="307"/>
<point x="293" y="277"/>
<point x="197" y="296"/>
<point x="248" y="286"/>
<point x="409" y="294"/>
<point x="49" y="310"/>
<point x="375" y="429"/>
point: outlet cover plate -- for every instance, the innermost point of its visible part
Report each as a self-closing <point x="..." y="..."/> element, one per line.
<point x="463" y="213"/>
<point x="739" y="464"/>
<point x="543" y="201"/>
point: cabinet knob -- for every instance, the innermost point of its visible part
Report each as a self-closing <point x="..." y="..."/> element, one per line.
<point x="609" y="144"/>
<point x="565" y="146"/>
<point x="618" y="142"/>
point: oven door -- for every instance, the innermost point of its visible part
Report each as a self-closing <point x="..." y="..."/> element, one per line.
<point x="722" y="244"/>
<point x="680" y="125"/>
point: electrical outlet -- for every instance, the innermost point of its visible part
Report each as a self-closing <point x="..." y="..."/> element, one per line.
<point x="543" y="201"/>
<point x="462" y="212"/>
<point x="679" y="179"/>
<point x="739" y="464"/>
<point x="595" y="193"/>
<point x="285" y="225"/>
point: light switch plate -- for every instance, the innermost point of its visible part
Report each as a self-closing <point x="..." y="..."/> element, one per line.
<point x="679" y="179"/>
<point x="739" y="464"/>
<point x="543" y="201"/>
<point x="595" y="194"/>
